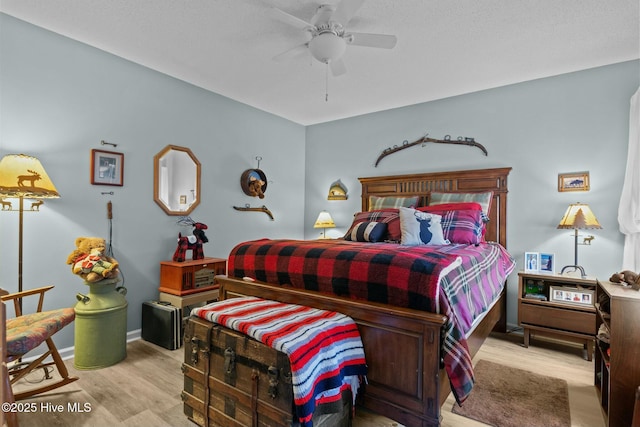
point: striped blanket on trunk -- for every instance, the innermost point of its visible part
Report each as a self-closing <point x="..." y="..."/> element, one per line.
<point x="324" y="347"/>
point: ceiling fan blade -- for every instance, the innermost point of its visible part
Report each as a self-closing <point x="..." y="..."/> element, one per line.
<point x="383" y="41"/>
<point x="345" y="11"/>
<point x="292" y="53"/>
<point x="283" y="16"/>
<point x="337" y="67"/>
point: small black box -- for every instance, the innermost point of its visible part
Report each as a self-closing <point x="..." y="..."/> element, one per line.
<point x="162" y="324"/>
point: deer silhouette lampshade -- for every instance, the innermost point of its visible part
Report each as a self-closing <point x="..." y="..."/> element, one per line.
<point x="24" y="176"/>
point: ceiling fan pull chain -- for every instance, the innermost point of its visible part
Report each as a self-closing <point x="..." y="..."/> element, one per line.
<point x="326" y="84"/>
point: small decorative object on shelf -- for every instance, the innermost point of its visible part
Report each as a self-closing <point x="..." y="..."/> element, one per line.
<point x="626" y="278"/>
<point x="192" y="242"/>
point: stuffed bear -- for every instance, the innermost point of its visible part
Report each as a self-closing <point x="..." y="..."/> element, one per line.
<point x="89" y="261"/>
<point x="628" y="277"/>
<point x="255" y="187"/>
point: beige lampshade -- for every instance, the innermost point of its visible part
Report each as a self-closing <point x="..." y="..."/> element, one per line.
<point x="324" y="221"/>
<point x="24" y="176"/>
<point x="579" y="216"/>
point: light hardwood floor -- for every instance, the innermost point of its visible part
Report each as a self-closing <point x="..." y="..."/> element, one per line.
<point x="144" y="389"/>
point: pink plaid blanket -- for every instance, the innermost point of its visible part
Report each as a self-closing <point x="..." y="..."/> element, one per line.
<point x="324" y="347"/>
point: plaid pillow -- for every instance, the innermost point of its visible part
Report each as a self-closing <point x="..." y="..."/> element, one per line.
<point x="464" y="226"/>
<point x="376" y="202"/>
<point x="369" y="231"/>
<point x="386" y="216"/>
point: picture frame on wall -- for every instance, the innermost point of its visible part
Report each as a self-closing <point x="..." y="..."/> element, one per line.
<point x="547" y="263"/>
<point x="576" y="181"/>
<point x="107" y="168"/>
<point x="531" y="262"/>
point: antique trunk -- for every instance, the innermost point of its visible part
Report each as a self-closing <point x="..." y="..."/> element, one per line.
<point x="232" y="380"/>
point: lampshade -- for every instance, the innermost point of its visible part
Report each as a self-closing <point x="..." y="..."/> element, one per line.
<point x="327" y="47"/>
<point x="24" y="176"/>
<point x="324" y="221"/>
<point x="579" y="216"/>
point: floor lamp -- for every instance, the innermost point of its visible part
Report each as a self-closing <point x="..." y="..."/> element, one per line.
<point x="578" y="216"/>
<point x="23" y="177"/>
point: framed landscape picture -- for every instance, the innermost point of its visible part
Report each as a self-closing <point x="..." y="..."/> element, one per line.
<point x="107" y="168"/>
<point x="577" y="181"/>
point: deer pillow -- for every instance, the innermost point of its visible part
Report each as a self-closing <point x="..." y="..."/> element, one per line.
<point x="421" y="228"/>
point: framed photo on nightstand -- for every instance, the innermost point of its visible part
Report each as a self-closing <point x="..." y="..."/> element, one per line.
<point x="547" y="263"/>
<point x="567" y="295"/>
<point x="531" y="262"/>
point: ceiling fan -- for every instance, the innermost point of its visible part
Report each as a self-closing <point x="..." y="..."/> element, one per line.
<point x="329" y="38"/>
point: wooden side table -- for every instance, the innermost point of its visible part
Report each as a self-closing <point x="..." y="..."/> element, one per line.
<point x="557" y="306"/>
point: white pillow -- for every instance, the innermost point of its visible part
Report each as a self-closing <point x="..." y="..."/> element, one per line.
<point x="421" y="228"/>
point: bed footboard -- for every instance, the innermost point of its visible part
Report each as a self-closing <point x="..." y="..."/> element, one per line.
<point x="402" y="347"/>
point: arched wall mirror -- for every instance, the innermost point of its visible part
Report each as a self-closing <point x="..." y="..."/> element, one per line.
<point x="176" y="180"/>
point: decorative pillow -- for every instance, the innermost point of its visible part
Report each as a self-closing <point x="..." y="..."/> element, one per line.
<point x="369" y="231"/>
<point x="484" y="199"/>
<point x="460" y="226"/>
<point x="421" y="228"/>
<point x="386" y="216"/>
<point x="376" y="202"/>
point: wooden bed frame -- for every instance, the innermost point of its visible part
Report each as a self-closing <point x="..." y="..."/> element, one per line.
<point x="406" y="378"/>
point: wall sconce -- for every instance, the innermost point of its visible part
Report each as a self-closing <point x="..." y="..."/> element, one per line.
<point x="578" y="216"/>
<point x="324" y="221"/>
<point x="337" y="191"/>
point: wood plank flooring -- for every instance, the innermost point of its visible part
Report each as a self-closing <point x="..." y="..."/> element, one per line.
<point x="144" y="389"/>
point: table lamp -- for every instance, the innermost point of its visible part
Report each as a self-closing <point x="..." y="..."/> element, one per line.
<point x="324" y="221"/>
<point x="578" y="216"/>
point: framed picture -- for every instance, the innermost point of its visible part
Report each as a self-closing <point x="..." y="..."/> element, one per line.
<point x="107" y="168"/>
<point x="531" y="262"/>
<point x="577" y="181"/>
<point x="567" y="295"/>
<point x="547" y="263"/>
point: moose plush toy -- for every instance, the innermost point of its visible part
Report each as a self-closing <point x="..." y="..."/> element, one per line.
<point x="629" y="277"/>
<point x="193" y="242"/>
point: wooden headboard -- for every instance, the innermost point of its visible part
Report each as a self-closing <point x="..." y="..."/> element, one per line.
<point x="423" y="184"/>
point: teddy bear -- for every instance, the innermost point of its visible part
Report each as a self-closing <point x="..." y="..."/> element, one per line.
<point x="628" y="277"/>
<point x="255" y="187"/>
<point x="89" y="261"/>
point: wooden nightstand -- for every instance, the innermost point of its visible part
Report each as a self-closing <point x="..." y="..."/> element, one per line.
<point x="557" y="306"/>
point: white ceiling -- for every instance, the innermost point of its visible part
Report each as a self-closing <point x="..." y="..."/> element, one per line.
<point x="445" y="47"/>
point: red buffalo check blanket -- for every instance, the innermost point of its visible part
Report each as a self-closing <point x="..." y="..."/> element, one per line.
<point x="458" y="281"/>
<point x="324" y="347"/>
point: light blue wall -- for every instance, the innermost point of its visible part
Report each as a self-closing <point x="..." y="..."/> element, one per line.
<point x="60" y="98"/>
<point x="569" y="123"/>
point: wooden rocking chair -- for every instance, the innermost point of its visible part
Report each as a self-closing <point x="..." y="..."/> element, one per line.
<point x="25" y="332"/>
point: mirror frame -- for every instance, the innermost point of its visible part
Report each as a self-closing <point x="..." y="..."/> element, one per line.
<point x="156" y="177"/>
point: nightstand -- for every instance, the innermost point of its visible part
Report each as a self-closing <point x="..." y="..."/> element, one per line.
<point x="556" y="306"/>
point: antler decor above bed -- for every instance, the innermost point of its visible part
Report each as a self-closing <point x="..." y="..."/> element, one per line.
<point x="422" y="141"/>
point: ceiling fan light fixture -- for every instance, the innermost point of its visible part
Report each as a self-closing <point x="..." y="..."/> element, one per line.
<point x="327" y="47"/>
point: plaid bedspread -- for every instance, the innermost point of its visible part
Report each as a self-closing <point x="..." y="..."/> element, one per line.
<point x="324" y="347"/>
<point x="458" y="281"/>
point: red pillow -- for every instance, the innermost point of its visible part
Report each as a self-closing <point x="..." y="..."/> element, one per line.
<point x="464" y="206"/>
